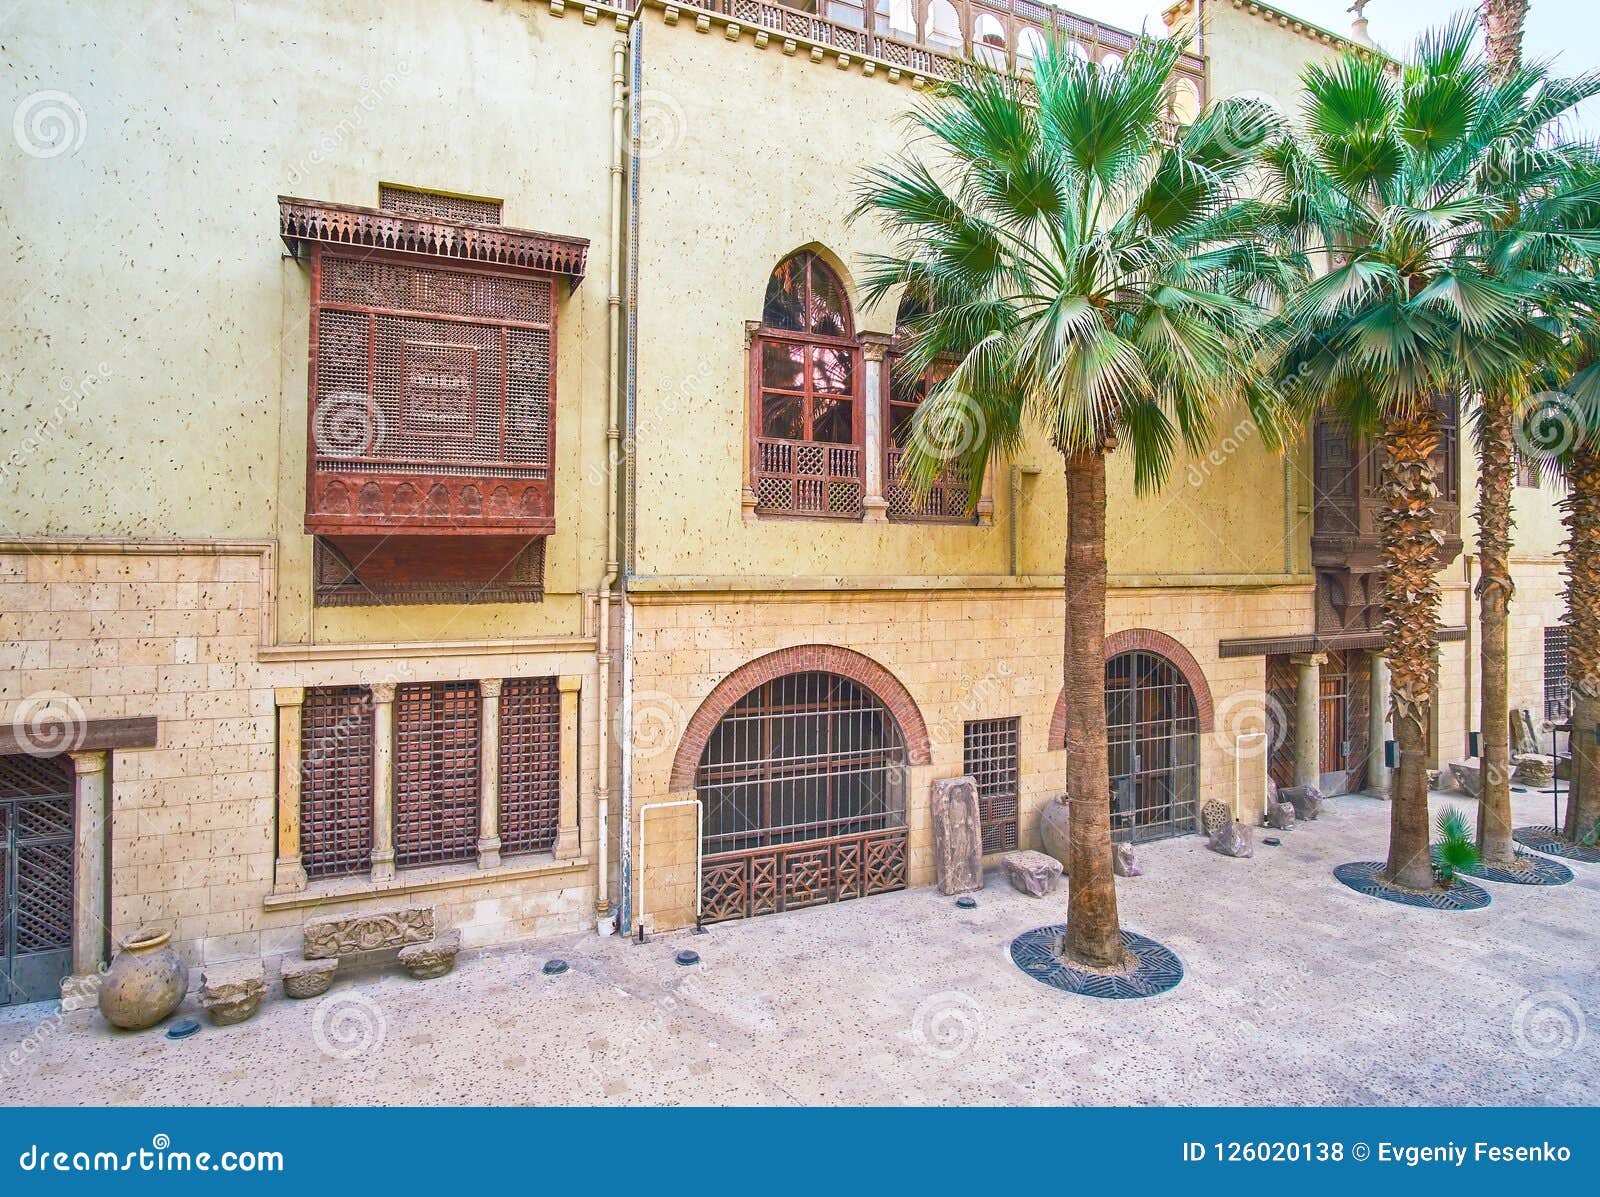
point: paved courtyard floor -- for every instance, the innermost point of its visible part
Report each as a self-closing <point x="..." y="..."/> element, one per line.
<point x="1297" y="991"/>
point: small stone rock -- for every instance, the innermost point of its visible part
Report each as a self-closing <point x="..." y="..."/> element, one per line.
<point x="306" y="978"/>
<point x="957" y="835"/>
<point x="1233" y="839"/>
<point x="433" y="959"/>
<point x="231" y="993"/>
<point x="1280" y="815"/>
<point x="1055" y="829"/>
<point x="1306" y="800"/>
<point x="1469" y="777"/>
<point x="1564" y="767"/>
<point x="1032" y="872"/>
<point x="1535" y="770"/>
<point x="1122" y="862"/>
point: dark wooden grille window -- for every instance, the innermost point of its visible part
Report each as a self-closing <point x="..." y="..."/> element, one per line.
<point x="989" y="755"/>
<point x="806" y="454"/>
<point x="336" y="781"/>
<point x="438" y="206"/>
<point x="432" y="398"/>
<point x="948" y="500"/>
<point x="530" y="764"/>
<point x="437" y="789"/>
<point x="1557" y="688"/>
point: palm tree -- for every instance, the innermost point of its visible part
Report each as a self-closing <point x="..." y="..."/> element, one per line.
<point x="1094" y="273"/>
<point x="1400" y="178"/>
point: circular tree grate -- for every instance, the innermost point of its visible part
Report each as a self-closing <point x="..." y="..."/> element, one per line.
<point x="1549" y="841"/>
<point x="1366" y="877"/>
<point x="1036" y="953"/>
<point x="1533" y="870"/>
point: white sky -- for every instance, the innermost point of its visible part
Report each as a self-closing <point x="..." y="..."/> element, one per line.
<point x="1567" y="31"/>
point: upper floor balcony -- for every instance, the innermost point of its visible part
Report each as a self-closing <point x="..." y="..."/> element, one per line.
<point x="931" y="38"/>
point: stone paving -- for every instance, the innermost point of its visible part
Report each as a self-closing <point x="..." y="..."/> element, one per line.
<point x="1297" y="991"/>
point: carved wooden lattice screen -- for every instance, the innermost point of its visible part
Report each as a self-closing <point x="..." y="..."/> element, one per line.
<point x="530" y="764"/>
<point x="437" y="206"/>
<point x="36" y="816"/>
<point x="1557" y="687"/>
<point x="336" y="781"/>
<point x="989" y="757"/>
<point x="436" y="777"/>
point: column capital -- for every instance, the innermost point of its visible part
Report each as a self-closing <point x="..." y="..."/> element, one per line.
<point x="569" y="683"/>
<point x="1304" y="659"/>
<point x="383" y="692"/>
<point x="751" y="327"/>
<point x="89" y="762"/>
<point x="490" y="687"/>
<point x="874" y="346"/>
<point x="289" y="696"/>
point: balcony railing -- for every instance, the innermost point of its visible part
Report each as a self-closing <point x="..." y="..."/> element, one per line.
<point x="808" y="478"/>
<point x="946" y="501"/>
<point x="995" y="32"/>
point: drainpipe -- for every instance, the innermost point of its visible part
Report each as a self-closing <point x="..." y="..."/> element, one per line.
<point x="602" y="904"/>
<point x="630" y="401"/>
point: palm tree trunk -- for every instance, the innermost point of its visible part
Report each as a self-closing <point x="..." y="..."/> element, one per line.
<point x="1502" y="29"/>
<point x="1495" y="477"/>
<point x="1094" y="937"/>
<point x="1583" y="638"/>
<point x="1410" y="594"/>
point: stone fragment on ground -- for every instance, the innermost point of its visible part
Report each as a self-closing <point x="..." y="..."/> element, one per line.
<point x="231" y="993"/>
<point x="1534" y="769"/>
<point x="1122" y="862"/>
<point x="1306" y="800"/>
<point x="1032" y="873"/>
<point x="435" y="958"/>
<point x="1234" y="839"/>
<point x="1469" y="777"/>
<point x="1055" y="829"/>
<point x="1280" y="815"/>
<point x="957" y="835"/>
<point x="306" y="978"/>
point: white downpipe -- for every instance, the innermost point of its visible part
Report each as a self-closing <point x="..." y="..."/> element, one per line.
<point x="699" y="829"/>
<point x="1238" y="769"/>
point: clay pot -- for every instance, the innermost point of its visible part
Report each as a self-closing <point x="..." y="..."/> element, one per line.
<point x="145" y="983"/>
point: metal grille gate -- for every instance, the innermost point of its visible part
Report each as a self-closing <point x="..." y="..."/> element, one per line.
<point x="803" y="788"/>
<point x="989" y="750"/>
<point x="1557" y="688"/>
<point x="1153" y="739"/>
<point x="35" y="877"/>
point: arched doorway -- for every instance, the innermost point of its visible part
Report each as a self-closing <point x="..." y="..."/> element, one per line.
<point x="802" y="785"/>
<point x="1153" y="741"/>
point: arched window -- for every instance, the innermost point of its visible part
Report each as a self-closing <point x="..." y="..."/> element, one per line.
<point x="1185" y="101"/>
<point x="802" y="783"/>
<point x="806" y="456"/>
<point x="947" y="500"/>
<point x="1030" y="47"/>
<point x="1153" y="740"/>
<point x="1110" y="61"/>
<point x="897" y="19"/>
<point x="944" y="27"/>
<point x="989" y="40"/>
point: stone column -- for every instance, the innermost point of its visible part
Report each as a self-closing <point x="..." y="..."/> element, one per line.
<point x="91" y="813"/>
<point x="288" y="874"/>
<point x="567" y="823"/>
<point x="1379" y="728"/>
<point x="489" y="775"/>
<point x="1308" y="719"/>
<point x="985" y="508"/>
<point x="383" y="781"/>
<point x="874" y="506"/>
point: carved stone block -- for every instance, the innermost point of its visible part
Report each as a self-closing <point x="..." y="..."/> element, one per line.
<point x="1032" y="873"/>
<point x="432" y="959"/>
<point x="957" y="835"/>
<point x="1524" y="732"/>
<point x="1233" y="839"/>
<point x="1469" y="777"/>
<point x="1280" y="815"/>
<point x="347" y="934"/>
<point x="307" y="978"/>
<point x="1214" y="815"/>
<point x="1534" y="770"/>
<point x="231" y="993"/>
<point x="1306" y="800"/>
<point x="1055" y="829"/>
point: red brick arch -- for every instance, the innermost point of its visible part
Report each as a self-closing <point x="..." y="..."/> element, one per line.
<point x="804" y="658"/>
<point x="1163" y="645"/>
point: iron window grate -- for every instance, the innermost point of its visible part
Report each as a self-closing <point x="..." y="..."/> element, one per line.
<point x="1557" y="686"/>
<point x="336" y="781"/>
<point x="530" y="764"/>
<point x="989" y="755"/>
<point x="436" y="776"/>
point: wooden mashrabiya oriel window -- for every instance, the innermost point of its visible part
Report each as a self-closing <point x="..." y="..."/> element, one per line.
<point x="432" y="405"/>
<point x="806" y="422"/>
<point x="948" y="499"/>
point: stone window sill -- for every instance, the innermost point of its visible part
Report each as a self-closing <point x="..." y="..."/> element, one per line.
<point x="411" y="881"/>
